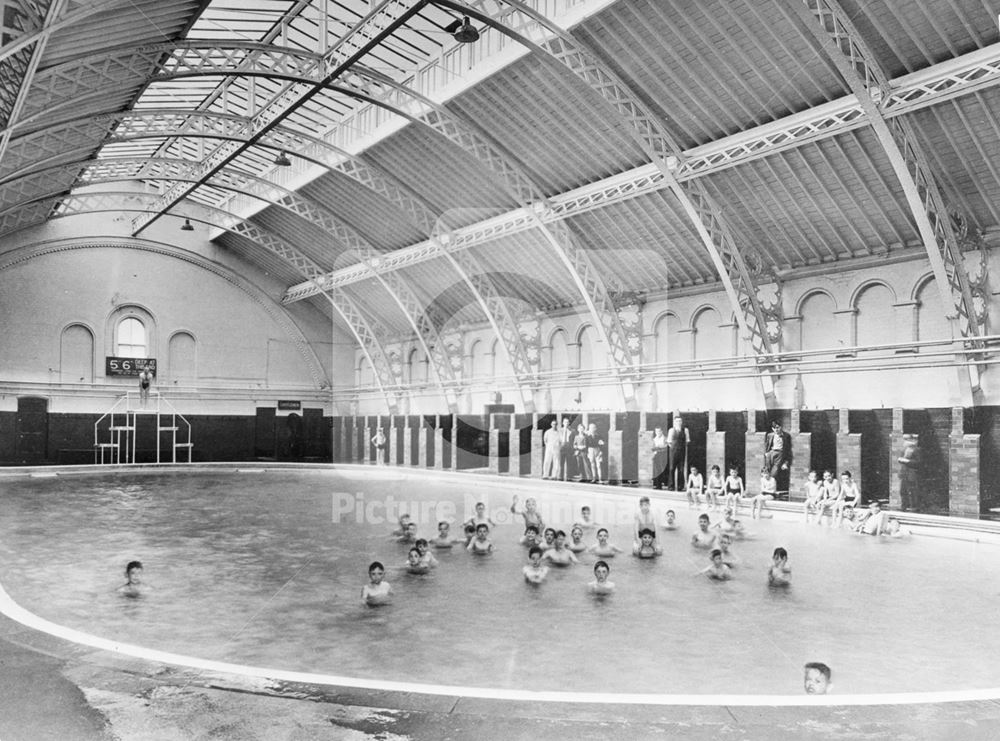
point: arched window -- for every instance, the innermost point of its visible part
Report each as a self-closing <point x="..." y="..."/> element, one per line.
<point x="931" y="321"/>
<point x="366" y="376"/>
<point x="819" y="324"/>
<point x="875" y="320"/>
<point x="76" y="354"/>
<point x="558" y="355"/>
<point x="181" y="357"/>
<point x="711" y="339"/>
<point x="131" y="339"/>
<point x="501" y="366"/>
<point x="670" y="345"/>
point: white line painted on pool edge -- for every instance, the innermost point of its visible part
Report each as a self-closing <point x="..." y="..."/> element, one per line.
<point x="14" y="611"/>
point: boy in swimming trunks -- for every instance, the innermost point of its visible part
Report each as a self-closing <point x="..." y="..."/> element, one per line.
<point x="714" y="487"/>
<point x="644" y="518"/>
<point x="831" y="497"/>
<point x="602" y="547"/>
<point x="585" y="519"/>
<point x="780" y="573"/>
<point x="734" y="490"/>
<point x="376" y="591"/>
<point x="850" y="496"/>
<point x="875" y="522"/>
<point x="529" y="513"/>
<point x="813" y="495"/>
<point x="817" y="678"/>
<point x="133" y="586"/>
<point x="535" y="571"/>
<point x="481" y="544"/>
<point x="768" y="491"/>
<point x="559" y="554"/>
<point x="470" y="533"/>
<point x="601" y="585"/>
<point x="480" y="517"/>
<point x="695" y="487"/>
<point x="548" y="538"/>
<point x="645" y="547"/>
<point x="703" y="538"/>
<point x="716" y="570"/>
<point x="426" y="557"/>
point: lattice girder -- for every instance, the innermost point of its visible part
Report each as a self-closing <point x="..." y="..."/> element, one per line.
<point x="55" y="142"/>
<point x="364" y="35"/>
<point x="560" y="47"/>
<point x="896" y="135"/>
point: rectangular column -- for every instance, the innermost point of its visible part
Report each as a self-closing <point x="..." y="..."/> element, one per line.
<point x="537" y="451"/>
<point x="422" y="432"/>
<point x="645" y="452"/>
<point x="408" y="444"/>
<point x="963" y="469"/>
<point x="715" y="446"/>
<point x="493" y="464"/>
<point x="897" y="445"/>
<point x="515" y="456"/>
<point x="392" y="448"/>
<point x="613" y="452"/>
<point x="849" y="452"/>
<point x="453" y="444"/>
<point x="439" y="443"/>
<point x="753" y="454"/>
<point x="367" y="449"/>
<point x="801" y="458"/>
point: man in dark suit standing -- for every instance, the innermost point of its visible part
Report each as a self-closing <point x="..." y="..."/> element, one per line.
<point x="778" y="455"/>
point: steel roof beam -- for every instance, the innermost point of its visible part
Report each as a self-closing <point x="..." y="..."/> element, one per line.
<point x="831" y="27"/>
<point x="378" y="25"/>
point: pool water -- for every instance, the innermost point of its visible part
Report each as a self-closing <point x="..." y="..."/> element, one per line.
<point x="255" y="568"/>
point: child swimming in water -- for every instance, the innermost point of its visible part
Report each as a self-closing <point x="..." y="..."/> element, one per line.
<point x="780" y="573"/>
<point x="559" y="554"/>
<point x="586" y="522"/>
<point x="703" y="538"/>
<point x="529" y="513"/>
<point x="376" y="591"/>
<point x="409" y="533"/>
<point x="645" y="547"/>
<point x="602" y="547"/>
<point x="644" y="518"/>
<point x="414" y="564"/>
<point x="728" y="557"/>
<point x="444" y="539"/>
<point x="671" y="522"/>
<point x="404" y="521"/>
<point x="530" y="539"/>
<point x="133" y="586"/>
<point x="480" y="518"/>
<point x="817" y="678"/>
<point x="576" y="543"/>
<point x="549" y="540"/>
<point x="426" y="557"/>
<point x="601" y="585"/>
<point x="535" y="572"/>
<point x="716" y="569"/>
<point x="481" y="544"/>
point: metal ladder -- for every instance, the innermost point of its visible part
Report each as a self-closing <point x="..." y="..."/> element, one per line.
<point x="119" y="446"/>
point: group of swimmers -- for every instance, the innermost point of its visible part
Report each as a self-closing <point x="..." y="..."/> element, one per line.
<point x="548" y="546"/>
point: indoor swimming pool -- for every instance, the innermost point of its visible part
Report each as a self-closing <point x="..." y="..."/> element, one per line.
<point x="264" y="568"/>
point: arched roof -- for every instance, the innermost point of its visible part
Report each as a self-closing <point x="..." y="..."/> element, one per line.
<point x="419" y="145"/>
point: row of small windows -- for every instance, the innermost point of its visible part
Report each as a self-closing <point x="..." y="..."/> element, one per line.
<point x="875" y="319"/>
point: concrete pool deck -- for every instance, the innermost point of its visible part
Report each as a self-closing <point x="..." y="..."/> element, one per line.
<point x="62" y="689"/>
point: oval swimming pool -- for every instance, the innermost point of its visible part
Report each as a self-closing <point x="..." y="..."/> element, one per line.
<point x="265" y="568"/>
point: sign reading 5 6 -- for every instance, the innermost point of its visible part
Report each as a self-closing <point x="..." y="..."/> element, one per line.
<point x="114" y="366"/>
